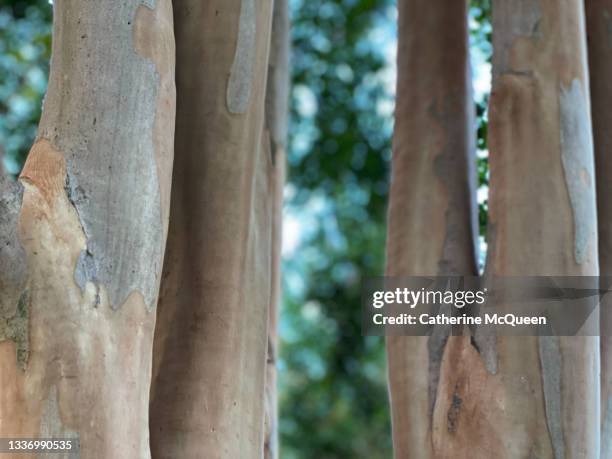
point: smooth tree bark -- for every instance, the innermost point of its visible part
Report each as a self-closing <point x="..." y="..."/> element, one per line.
<point x="543" y="398"/>
<point x="432" y="198"/>
<point x="501" y="397"/>
<point x="599" y="24"/>
<point x="207" y="395"/>
<point x="276" y="123"/>
<point x="83" y="234"/>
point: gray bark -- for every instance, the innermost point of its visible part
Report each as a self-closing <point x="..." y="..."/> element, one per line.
<point x="91" y="226"/>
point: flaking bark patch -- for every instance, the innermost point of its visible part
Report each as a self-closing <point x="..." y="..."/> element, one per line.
<point x="15" y="328"/>
<point x="84" y="351"/>
<point x="470" y="401"/>
<point x="241" y="75"/>
<point x="153" y="36"/>
<point x="117" y="175"/>
<point x="91" y="200"/>
<point x="13" y="270"/>
<point x="86" y="271"/>
<point x="550" y="361"/>
<point x="578" y="166"/>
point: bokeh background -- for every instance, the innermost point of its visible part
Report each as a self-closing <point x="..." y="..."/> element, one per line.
<point x="333" y="395"/>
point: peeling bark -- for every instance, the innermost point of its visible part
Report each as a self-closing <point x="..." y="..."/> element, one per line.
<point x="101" y="140"/>
<point x="95" y="183"/>
<point x="432" y="199"/>
<point x="518" y="397"/>
<point x="277" y="114"/>
<point x="542" y="206"/>
<point x="599" y="33"/>
<point x="211" y="338"/>
<point x="13" y="272"/>
<point x="241" y="73"/>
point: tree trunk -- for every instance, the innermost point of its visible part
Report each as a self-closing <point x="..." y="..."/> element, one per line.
<point x="277" y="113"/>
<point x="76" y="319"/>
<point x="432" y="199"/>
<point x="600" y="64"/>
<point x="506" y="397"/>
<point x="534" y="396"/>
<point x="211" y="340"/>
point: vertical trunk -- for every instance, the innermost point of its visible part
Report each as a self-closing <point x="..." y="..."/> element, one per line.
<point x="210" y="346"/>
<point x="540" y="396"/>
<point x="507" y="397"/>
<point x="75" y="350"/>
<point x="277" y="111"/>
<point x="599" y="24"/>
<point x="432" y="199"/>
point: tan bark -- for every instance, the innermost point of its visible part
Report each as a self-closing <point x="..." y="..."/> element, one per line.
<point x="506" y="397"/>
<point x="599" y="24"/>
<point x="277" y="113"/>
<point x="75" y="349"/>
<point x="207" y="396"/>
<point x="432" y="199"/>
<point x="534" y="396"/>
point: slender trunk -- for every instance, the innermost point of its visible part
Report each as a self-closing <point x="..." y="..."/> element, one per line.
<point x="75" y="350"/>
<point x="599" y="24"/>
<point x="541" y="396"/>
<point x="271" y="408"/>
<point x="277" y="113"/>
<point x="432" y="199"/>
<point x="211" y="339"/>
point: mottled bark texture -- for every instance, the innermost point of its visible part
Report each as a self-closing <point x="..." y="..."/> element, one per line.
<point x="85" y="249"/>
<point x="13" y="272"/>
<point x="207" y="396"/>
<point x="543" y="398"/>
<point x="277" y="114"/>
<point x="599" y="34"/>
<point x="432" y="199"/>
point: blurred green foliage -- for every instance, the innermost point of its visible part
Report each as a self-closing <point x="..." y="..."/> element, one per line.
<point x="333" y="395"/>
<point x="482" y="50"/>
<point x="25" y="47"/>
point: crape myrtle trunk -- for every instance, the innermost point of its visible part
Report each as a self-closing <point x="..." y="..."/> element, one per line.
<point x="83" y="233"/>
<point x="540" y="395"/>
<point x="277" y="114"/>
<point x="432" y="199"/>
<point x="495" y="396"/>
<point x="599" y="41"/>
<point x="209" y="369"/>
